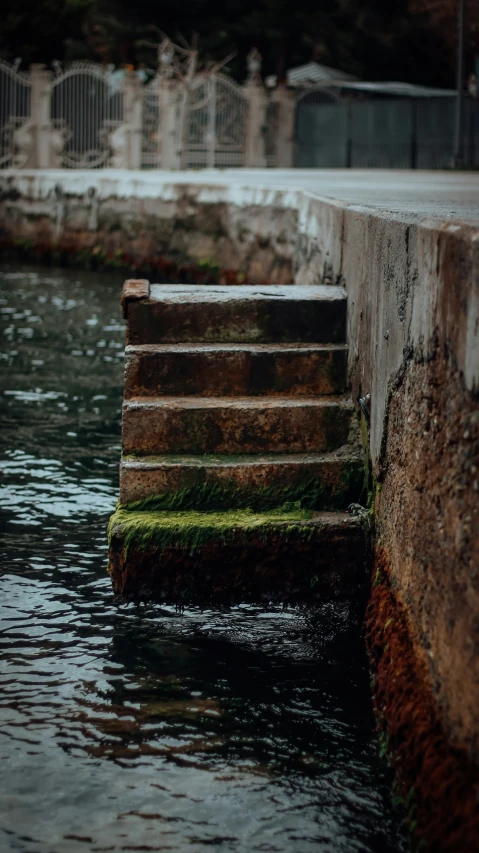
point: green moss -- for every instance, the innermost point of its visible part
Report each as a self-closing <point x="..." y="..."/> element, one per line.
<point x="191" y="530"/>
<point x="212" y="267"/>
<point x="23" y="243"/>
<point x="309" y="494"/>
<point x="98" y="258"/>
<point x="383" y="745"/>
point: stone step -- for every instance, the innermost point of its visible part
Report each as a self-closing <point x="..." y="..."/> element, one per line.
<point x="317" y="480"/>
<point x="220" y="370"/>
<point x="175" y="313"/>
<point x="234" y="425"/>
<point x="232" y="557"/>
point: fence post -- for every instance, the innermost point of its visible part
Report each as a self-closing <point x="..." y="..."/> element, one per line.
<point x="211" y="135"/>
<point x="41" y="94"/>
<point x="168" y="109"/>
<point x="133" y="117"/>
<point x="255" y="154"/>
<point x="255" y="125"/>
<point x="286" y="101"/>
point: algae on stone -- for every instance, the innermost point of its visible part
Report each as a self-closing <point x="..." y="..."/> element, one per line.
<point x="191" y="530"/>
<point x="312" y="494"/>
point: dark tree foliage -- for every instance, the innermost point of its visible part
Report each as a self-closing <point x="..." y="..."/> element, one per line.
<point x="38" y="30"/>
<point x="370" y="38"/>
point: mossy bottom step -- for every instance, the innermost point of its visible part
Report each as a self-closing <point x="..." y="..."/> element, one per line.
<point x="231" y="557"/>
<point x="258" y="482"/>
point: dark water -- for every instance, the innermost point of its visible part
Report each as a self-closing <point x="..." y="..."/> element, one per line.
<point x="126" y="730"/>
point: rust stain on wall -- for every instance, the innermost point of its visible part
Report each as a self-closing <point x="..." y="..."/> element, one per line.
<point x="438" y="783"/>
<point x="82" y="253"/>
<point x="427" y="516"/>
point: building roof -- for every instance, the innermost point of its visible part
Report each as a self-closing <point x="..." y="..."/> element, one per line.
<point x="395" y="88"/>
<point x="313" y="73"/>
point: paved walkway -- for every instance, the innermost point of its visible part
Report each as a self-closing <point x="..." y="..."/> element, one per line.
<point x="444" y="195"/>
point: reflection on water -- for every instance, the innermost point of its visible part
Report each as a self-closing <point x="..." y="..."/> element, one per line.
<point x="149" y="730"/>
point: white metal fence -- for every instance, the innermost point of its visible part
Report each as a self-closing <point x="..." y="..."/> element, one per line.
<point x="151" y="126"/>
<point x="215" y="124"/>
<point x="15" y="111"/>
<point x="87" y="116"/>
<point x="86" y="108"/>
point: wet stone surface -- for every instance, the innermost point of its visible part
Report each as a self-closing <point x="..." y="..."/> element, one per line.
<point x="126" y="729"/>
<point x="246" y="314"/>
<point x="221" y="370"/>
<point x="256" y="481"/>
<point x="290" y="557"/>
<point x="242" y="425"/>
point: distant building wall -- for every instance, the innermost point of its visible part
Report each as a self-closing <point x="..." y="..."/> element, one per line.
<point x="399" y="133"/>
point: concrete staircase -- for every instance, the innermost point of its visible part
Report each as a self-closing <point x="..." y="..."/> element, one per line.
<point x="240" y="447"/>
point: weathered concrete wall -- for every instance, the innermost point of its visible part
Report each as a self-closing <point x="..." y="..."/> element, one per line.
<point x="413" y="291"/>
<point x="428" y="519"/>
<point x="413" y="331"/>
<point x="250" y="231"/>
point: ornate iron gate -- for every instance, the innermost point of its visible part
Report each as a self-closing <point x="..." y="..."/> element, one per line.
<point x="87" y="107"/>
<point x="214" y="124"/>
<point x="15" y="108"/>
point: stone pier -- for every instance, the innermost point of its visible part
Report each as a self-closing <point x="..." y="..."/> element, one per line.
<point x="241" y="449"/>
